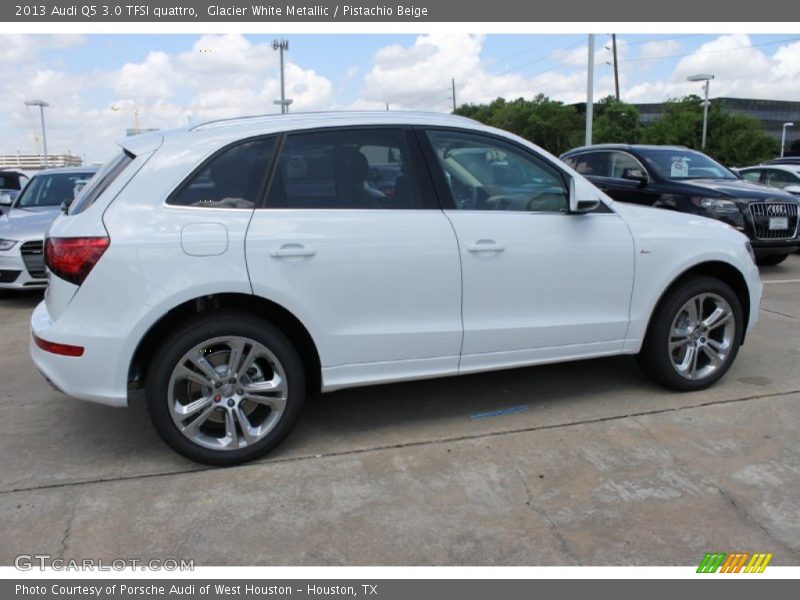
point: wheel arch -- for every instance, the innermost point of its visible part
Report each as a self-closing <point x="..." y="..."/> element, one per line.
<point x="718" y="269"/>
<point x="271" y="311"/>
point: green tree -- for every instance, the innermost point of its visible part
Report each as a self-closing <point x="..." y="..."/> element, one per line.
<point x="548" y="123"/>
<point x="616" y="122"/>
<point x="734" y="140"/>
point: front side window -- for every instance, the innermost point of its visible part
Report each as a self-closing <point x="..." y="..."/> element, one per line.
<point x="753" y="176"/>
<point x="234" y="178"/>
<point x="484" y="173"/>
<point x="780" y="179"/>
<point x="50" y="190"/>
<point x="621" y="164"/>
<point x="344" y="169"/>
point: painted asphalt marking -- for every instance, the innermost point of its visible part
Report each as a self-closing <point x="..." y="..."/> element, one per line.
<point x="780" y="280"/>
<point x="498" y="413"/>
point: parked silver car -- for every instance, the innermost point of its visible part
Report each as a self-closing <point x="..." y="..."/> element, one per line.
<point x="22" y="229"/>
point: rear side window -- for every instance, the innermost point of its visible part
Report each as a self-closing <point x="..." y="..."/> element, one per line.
<point x="233" y="178"/>
<point x="345" y="169"/>
<point x="589" y="163"/>
<point x="100" y="182"/>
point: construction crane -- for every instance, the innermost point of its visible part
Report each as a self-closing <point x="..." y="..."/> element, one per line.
<point x="136" y="110"/>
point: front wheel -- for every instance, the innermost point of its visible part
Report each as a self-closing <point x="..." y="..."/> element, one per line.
<point x="694" y="335"/>
<point x="225" y="388"/>
<point x="771" y="260"/>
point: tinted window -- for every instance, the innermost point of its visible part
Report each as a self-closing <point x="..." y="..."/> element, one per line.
<point x="619" y="161"/>
<point x="357" y="169"/>
<point x="677" y="163"/>
<point x="50" y="190"/>
<point x="232" y="179"/>
<point x="753" y="176"/>
<point x="484" y="173"/>
<point x="10" y="181"/>
<point x="780" y="179"/>
<point x="99" y="183"/>
<point x="589" y="163"/>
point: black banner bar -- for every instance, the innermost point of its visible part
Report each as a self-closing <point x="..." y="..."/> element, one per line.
<point x="732" y="587"/>
<point x="461" y="11"/>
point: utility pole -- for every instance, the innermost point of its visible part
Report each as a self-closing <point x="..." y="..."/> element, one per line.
<point x="616" y="70"/>
<point x="590" y="91"/>
<point x="454" y="93"/>
<point x="282" y="46"/>
<point x="42" y="105"/>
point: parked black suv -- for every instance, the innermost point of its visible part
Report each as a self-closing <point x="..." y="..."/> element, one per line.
<point x="676" y="178"/>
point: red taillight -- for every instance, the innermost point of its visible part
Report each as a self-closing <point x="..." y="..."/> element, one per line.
<point x="62" y="349"/>
<point x="73" y="258"/>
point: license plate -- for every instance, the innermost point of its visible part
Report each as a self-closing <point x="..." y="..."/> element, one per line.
<point x="778" y="223"/>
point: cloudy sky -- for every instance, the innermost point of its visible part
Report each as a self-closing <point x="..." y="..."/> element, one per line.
<point x="96" y="83"/>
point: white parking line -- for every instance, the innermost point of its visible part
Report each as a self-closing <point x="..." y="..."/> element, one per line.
<point x="780" y="281"/>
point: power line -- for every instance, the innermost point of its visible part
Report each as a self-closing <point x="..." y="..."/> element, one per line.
<point x="791" y="39"/>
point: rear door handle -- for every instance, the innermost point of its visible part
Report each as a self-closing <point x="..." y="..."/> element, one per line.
<point x="292" y="250"/>
<point x="486" y="246"/>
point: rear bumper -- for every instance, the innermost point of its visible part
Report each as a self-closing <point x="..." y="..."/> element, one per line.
<point x="93" y="377"/>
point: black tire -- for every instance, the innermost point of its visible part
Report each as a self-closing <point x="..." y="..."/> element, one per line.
<point x="771" y="260"/>
<point x="655" y="358"/>
<point x="196" y="330"/>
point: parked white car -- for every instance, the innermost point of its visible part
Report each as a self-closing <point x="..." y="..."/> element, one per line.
<point x="784" y="177"/>
<point x="237" y="266"/>
<point x="23" y="228"/>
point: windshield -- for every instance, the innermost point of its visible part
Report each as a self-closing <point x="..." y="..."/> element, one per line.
<point x="685" y="164"/>
<point x="50" y="190"/>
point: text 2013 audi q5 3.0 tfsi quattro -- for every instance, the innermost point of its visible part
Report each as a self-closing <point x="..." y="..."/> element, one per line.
<point x="236" y="266"/>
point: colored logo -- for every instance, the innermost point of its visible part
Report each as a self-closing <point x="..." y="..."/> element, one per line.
<point x="737" y="562"/>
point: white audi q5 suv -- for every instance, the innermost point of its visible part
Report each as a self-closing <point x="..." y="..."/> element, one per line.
<point x="235" y="267"/>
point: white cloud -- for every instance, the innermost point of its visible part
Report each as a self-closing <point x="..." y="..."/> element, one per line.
<point x="220" y="76"/>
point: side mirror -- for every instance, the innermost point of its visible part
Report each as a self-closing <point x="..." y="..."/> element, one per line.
<point x="634" y="174"/>
<point x="792" y="189"/>
<point x="5" y="200"/>
<point x="583" y="196"/>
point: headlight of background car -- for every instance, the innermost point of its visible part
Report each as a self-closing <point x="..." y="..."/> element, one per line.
<point x="716" y="205"/>
<point x="7" y="244"/>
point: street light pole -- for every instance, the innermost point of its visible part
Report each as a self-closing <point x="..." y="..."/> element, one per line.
<point x="707" y="78"/>
<point x="282" y="46"/>
<point x="783" y="136"/>
<point x="590" y="91"/>
<point x="42" y="105"/>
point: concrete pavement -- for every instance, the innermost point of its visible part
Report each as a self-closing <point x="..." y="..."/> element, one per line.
<point x="594" y="466"/>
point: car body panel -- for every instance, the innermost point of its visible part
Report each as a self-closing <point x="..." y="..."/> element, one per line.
<point x="403" y="268"/>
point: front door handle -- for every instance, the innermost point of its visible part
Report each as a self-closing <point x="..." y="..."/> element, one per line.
<point x="292" y="250"/>
<point x="486" y="246"/>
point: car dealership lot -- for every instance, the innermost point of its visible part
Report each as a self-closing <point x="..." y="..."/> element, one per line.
<point x="579" y="463"/>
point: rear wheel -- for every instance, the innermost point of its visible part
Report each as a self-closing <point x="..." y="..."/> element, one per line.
<point x="771" y="260"/>
<point x="225" y="388"/>
<point x="694" y="335"/>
